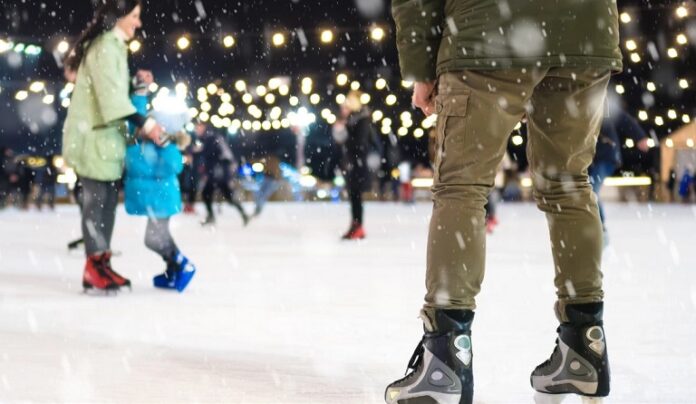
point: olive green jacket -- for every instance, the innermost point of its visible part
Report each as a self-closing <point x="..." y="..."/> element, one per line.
<point x="436" y="36"/>
<point x="94" y="135"/>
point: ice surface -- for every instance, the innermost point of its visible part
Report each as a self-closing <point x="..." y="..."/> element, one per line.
<point x="283" y="312"/>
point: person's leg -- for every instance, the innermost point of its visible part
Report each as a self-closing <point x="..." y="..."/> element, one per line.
<point x="598" y="172"/>
<point x="96" y="213"/>
<point x="477" y="112"/>
<point x="568" y="108"/>
<point x="229" y="195"/>
<point x="159" y="239"/>
<point x="356" y="205"/>
<point x="208" y="191"/>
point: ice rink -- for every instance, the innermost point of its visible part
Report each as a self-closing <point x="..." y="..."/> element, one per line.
<point x="284" y="312"/>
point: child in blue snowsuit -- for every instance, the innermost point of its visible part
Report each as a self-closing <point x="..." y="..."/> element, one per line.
<point x="152" y="189"/>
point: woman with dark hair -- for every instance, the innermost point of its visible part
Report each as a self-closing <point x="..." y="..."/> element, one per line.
<point x="95" y="132"/>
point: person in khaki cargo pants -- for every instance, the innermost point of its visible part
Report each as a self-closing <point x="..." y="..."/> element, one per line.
<point x="481" y="70"/>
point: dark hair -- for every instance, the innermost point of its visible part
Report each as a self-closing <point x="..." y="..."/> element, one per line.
<point x="105" y="17"/>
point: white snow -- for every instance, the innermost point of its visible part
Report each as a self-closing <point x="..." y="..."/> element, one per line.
<point x="283" y="312"/>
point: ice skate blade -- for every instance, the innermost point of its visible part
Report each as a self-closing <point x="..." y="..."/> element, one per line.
<point x="89" y="291"/>
<point x="544" y="398"/>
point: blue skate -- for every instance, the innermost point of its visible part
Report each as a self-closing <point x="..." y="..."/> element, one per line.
<point x="178" y="274"/>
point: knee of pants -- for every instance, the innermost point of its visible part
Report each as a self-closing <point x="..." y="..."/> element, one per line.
<point x="473" y="196"/>
<point x="554" y="194"/>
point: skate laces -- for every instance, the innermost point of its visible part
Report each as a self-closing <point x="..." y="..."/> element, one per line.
<point x="555" y="350"/>
<point x="416" y="358"/>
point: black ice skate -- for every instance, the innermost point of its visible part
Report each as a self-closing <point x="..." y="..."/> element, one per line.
<point x="441" y="366"/>
<point x="579" y="363"/>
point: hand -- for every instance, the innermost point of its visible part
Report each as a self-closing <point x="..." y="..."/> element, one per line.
<point x="643" y="145"/>
<point x="424" y="97"/>
<point x="155" y="135"/>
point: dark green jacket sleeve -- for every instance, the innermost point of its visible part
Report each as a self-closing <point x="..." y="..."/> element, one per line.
<point x="418" y="36"/>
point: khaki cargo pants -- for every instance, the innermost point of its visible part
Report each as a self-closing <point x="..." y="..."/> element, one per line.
<point x="477" y="111"/>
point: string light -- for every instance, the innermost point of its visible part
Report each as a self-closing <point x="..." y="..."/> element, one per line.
<point x="228" y="41"/>
<point x="134" y="46"/>
<point x="183" y="43"/>
<point x="342" y="79"/>
<point x="278" y="39"/>
<point x="625" y="18"/>
<point x="682" y="12"/>
<point x="377" y="33"/>
<point x="327" y="36"/>
<point x="63" y="46"/>
<point x="21" y="95"/>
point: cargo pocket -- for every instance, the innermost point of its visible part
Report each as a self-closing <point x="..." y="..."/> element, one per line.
<point x="451" y="125"/>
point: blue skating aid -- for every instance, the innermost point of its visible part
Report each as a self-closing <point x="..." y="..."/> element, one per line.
<point x="177" y="276"/>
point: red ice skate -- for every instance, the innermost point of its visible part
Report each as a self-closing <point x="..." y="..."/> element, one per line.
<point x="189" y="209"/>
<point x="491" y="224"/>
<point x="356" y="232"/>
<point x="119" y="280"/>
<point x="95" y="275"/>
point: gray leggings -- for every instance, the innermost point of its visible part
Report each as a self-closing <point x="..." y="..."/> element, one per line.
<point x="99" y="200"/>
<point x="159" y="239"/>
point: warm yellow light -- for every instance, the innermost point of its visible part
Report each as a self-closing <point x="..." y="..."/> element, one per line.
<point x="193" y="112"/>
<point x="620" y="89"/>
<point x="386" y="122"/>
<point x="377" y="115"/>
<point x="331" y="119"/>
<point x="294" y="101"/>
<point x="212" y="88"/>
<point x="669" y="143"/>
<point x="391" y="99"/>
<point x="327" y="36"/>
<point x="380" y="84"/>
<point x="135" y="46"/>
<point x="642" y="115"/>
<point x="314" y="99"/>
<point x="65" y="103"/>
<point x="625" y="18"/>
<point x="261" y="91"/>
<point x="681" y="39"/>
<point x="627" y="181"/>
<point x="240" y="85"/>
<point x="630" y="143"/>
<point x="226" y="97"/>
<point x="274" y="83"/>
<point x="690" y="142"/>
<point x="672" y="53"/>
<point x="283" y="90"/>
<point x="228" y="41"/>
<point x="651" y="143"/>
<point x="307" y="84"/>
<point x="377" y="33"/>
<point x="365" y="98"/>
<point x="246" y="125"/>
<point x="5" y="45"/>
<point x="406" y="84"/>
<point x="247" y="98"/>
<point x="63" y="46"/>
<point x="418" y="133"/>
<point x="183" y="43"/>
<point x="672" y="114"/>
<point x="37" y="86"/>
<point x="206" y="107"/>
<point x="386" y="130"/>
<point x="204" y="116"/>
<point x="202" y="97"/>
<point x="270" y="99"/>
<point x="402" y="131"/>
<point x="682" y="12"/>
<point x="686" y="118"/>
<point x="683" y="83"/>
<point x="278" y="39"/>
<point x="256" y="126"/>
<point x="659" y="121"/>
<point x="517" y="140"/>
<point x="48" y="99"/>
<point x="181" y="90"/>
<point x="266" y="125"/>
<point x="276" y="124"/>
<point x="340" y="99"/>
<point x="355" y="85"/>
<point x="635" y="58"/>
<point x="275" y="113"/>
<point x="342" y="79"/>
<point x="651" y="87"/>
<point x="631" y="45"/>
